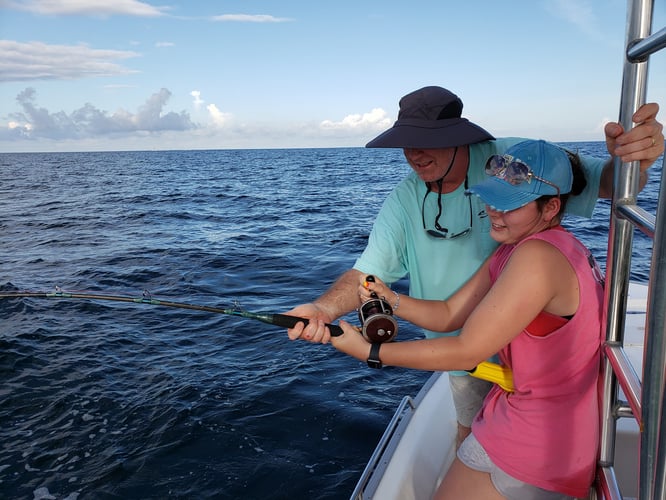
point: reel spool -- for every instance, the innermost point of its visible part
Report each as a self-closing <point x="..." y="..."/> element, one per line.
<point x="376" y="317"/>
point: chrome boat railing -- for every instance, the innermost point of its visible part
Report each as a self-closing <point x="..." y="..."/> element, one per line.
<point x="645" y="399"/>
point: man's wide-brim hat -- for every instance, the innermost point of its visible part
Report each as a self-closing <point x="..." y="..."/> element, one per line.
<point x="430" y="118"/>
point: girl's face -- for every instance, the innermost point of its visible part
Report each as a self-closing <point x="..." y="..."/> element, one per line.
<point x="515" y="225"/>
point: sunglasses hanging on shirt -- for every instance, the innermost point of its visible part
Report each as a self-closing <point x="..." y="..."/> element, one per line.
<point x="441" y="231"/>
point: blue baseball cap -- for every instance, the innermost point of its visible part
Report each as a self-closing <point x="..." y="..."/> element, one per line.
<point x="544" y="161"/>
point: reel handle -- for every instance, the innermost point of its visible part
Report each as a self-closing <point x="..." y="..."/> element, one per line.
<point x="371" y="279"/>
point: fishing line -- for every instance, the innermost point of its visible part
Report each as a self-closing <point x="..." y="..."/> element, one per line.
<point x="282" y="320"/>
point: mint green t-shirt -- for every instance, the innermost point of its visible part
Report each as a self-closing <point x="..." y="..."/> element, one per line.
<point x="399" y="246"/>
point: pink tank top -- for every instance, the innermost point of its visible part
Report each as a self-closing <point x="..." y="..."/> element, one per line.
<point x="546" y="433"/>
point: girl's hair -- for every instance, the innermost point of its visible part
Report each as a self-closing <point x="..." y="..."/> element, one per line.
<point x="577" y="186"/>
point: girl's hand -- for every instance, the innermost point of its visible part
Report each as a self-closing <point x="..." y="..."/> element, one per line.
<point x="351" y="342"/>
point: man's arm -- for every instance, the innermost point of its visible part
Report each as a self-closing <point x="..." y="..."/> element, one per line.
<point x="643" y="143"/>
<point x="342" y="297"/>
<point x="606" y="180"/>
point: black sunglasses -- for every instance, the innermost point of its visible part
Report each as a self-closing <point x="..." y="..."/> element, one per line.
<point x="443" y="232"/>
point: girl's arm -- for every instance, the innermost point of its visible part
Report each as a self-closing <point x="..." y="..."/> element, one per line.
<point x="537" y="277"/>
<point x="435" y="315"/>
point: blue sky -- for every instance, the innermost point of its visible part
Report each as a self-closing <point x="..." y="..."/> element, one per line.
<point x="79" y="75"/>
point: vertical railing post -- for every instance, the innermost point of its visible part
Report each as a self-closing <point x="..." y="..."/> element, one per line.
<point x="625" y="189"/>
<point x="653" y="439"/>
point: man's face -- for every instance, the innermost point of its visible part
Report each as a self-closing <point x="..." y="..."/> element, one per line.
<point x="429" y="164"/>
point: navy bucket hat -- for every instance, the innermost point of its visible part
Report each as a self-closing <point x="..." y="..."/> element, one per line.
<point x="430" y="118"/>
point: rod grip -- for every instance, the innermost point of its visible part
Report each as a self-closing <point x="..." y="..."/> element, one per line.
<point x="290" y="321"/>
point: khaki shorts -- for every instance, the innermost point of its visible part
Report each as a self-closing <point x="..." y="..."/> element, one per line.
<point x="472" y="454"/>
<point x="468" y="394"/>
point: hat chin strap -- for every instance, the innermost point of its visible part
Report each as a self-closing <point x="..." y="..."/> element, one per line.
<point x="440" y="181"/>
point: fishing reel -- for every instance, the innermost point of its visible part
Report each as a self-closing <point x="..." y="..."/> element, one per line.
<point x="376" y="316"/>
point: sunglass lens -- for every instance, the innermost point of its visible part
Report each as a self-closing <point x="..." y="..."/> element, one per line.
<point x="517" y="172"/>
<point x="494" y="165"/>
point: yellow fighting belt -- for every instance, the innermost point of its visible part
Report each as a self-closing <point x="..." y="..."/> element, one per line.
<point x="492" y="372"/>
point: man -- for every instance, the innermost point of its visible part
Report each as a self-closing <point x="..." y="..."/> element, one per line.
<point x="429" y="230"/>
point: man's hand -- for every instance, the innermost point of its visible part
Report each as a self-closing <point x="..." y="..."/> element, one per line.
<point x="644" y="142"/>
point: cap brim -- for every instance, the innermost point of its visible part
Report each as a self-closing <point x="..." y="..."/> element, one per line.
<point x="428" y="134"/>
<point x="501" y="195"/>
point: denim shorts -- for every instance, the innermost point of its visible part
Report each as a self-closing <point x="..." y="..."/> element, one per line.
<point x="468" y="394"/>
<point x="472" y="454"/>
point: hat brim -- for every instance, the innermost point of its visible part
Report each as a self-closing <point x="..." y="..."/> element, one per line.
<point x="502" y="196"/>
<point x="430" y="134"/>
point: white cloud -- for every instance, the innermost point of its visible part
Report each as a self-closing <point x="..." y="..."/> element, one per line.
<point x="576" y="12"/>
<point x="39" y="61"/>
<point x="219" y="118"/>
<point x="198" y="101"/>
<point x="164" y="44"/>
<point x="119" y="86"/>
<point x="86" y="7"/>
<point x="35" y="122"/>
<point x="24" y="127"/>
<point x="250" y="18"/>
<point x="375" y="119"/>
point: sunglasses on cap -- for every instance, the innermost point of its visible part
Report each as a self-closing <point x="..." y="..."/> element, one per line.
<point x="513" y="171"/>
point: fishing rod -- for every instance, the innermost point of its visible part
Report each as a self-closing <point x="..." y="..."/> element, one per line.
<point x="283" y="320"/>
<point x="373" y="315"/>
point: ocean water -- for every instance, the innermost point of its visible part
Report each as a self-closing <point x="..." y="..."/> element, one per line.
<point x="108" y="400"/>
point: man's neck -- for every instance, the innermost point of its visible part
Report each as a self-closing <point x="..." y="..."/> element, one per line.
<point x="456" y="175"/>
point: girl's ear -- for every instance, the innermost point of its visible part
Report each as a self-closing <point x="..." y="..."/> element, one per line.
<point x="552" y="208"/>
